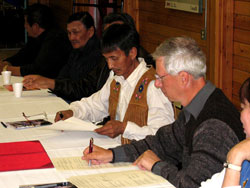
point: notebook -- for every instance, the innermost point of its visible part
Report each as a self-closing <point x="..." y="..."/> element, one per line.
<point x="23" y="156"/>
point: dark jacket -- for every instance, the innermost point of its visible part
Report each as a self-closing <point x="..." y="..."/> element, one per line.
<point x="211" y="124"/>
<point x="90" y="83"/>
<point x="82" y="60"/>
<point x="44" y="55"/>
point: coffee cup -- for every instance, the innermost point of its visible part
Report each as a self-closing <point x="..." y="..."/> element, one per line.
<point x="17" y="88"/>
<point x="6" y="77"/>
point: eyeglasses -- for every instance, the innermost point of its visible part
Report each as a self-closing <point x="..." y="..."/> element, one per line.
<point x="26" y="117"/>
<point x="160" y="77"/>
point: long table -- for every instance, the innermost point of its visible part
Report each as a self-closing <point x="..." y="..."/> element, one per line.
<point x="56" y="143"/>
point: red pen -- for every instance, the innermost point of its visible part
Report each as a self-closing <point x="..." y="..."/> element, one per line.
<point x="91" y="142"/>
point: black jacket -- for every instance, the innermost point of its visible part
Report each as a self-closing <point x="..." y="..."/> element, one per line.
<point x="90" y="83"/>
<point x="82" y="60"/>
<point x="44" y="55"/>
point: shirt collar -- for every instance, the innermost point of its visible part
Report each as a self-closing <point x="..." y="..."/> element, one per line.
<point x="196" y="105"/>
<point x="133" y="77"/>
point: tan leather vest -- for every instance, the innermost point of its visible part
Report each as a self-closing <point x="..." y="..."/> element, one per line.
<point x="137" y="110"/>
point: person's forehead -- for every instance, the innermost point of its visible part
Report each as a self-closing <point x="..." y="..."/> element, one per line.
<point x="75" y="25"/>
<point x="116" y="52"/>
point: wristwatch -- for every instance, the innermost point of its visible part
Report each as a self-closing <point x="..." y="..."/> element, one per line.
<point x="232" y="166"/>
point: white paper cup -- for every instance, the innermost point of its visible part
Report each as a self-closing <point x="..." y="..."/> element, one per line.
<point x="18" y="88"/>
<point x="6" y="77"/>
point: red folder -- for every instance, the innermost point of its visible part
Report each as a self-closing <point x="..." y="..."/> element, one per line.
<point x="23" y="156"/>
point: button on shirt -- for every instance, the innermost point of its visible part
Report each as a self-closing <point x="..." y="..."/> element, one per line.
<point x="95" y="107"/>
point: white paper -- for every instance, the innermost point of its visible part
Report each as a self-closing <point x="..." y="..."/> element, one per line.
<point x="132" y="178"/>
<point x="73" y="124"/>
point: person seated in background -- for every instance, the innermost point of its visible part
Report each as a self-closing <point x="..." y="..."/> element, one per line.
<point x="194" y="147"/>
<point x="135" y="106"/>
<point x="85" y="56"/>
<point x="236" y="171"/>
<point x="47" y="49"/>
<point x="93" y="81"/>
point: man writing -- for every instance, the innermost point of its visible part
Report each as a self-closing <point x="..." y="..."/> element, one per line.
<point x="195" y="146"/>
<point x="136" y="107"/>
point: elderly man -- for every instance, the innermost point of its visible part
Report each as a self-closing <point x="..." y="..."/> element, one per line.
<point x="48" y="47"/>
<point x="195" y="146"/>
<point x="136" y="107"/>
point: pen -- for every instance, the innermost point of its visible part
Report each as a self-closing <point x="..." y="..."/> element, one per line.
<point x="51" y="185"/>
<point x="5" y="126"/>
<point x="61" y="114"/>
<point x="91" y="148"/>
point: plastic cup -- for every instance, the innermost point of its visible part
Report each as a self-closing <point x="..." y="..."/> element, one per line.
<point x="18" y="88"/>
<point x="6" y="77"/>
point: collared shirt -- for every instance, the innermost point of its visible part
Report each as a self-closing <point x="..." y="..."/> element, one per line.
<point x="196" y="105"/>
<point x="95" y="107"/>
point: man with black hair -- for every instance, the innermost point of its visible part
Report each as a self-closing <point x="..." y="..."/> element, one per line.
<point x="48" y="47"/>
<point x="135" y="106"/>
<point x="84" y="57"/>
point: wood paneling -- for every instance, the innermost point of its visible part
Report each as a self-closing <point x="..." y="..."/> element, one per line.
<point x="241" y="53"/>
<point x="242" y="36"/>
<point x="242" y="49"/>
<point x="158" y="23"/>
<point x="62" y="10"/>
<point x="242" y="7"/>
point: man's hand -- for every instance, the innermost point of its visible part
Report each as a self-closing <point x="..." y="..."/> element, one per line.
<point x="112" y="128"/>
<point x="62" y="115"/>
<point x="98" y="156"/>
<point x="37" y="81"/>
<point x="147" y="160"/>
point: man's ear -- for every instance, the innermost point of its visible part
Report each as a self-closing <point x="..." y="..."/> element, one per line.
<point x="133" y="52"/>
<point x="184" y="78"/>
<point x="91" y="32"/>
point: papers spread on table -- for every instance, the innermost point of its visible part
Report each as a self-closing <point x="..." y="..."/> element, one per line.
<point x="131" y="178"/>
<point x="27" y="123"/>
<point x="76" y="163"/>
<point x="74" y="124"/>
<point x="23" y="155"/>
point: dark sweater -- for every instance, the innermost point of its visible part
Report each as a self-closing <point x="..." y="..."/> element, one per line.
<point x="211" y="140"/>
<point x="44" y="55"/>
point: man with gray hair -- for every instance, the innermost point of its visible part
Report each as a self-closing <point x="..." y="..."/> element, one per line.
<point x="195" y="146"/>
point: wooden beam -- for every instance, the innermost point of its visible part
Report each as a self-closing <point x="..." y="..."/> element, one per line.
<point x="224" y="45"/>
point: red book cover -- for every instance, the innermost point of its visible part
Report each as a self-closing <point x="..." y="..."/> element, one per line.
<point x="23" y="156"/>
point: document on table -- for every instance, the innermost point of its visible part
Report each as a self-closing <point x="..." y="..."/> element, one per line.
<point x="131" y="178"/>
<point x="76" y="163"/>
<point x="74" y="124"/>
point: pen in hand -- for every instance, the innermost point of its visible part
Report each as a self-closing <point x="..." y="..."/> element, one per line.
<point x="3" y="124"/>
<point x="60" y="114"/>
<point x="91" y="142"/>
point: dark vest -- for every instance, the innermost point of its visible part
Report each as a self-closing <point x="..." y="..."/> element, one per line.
<point x="213" y="110"/>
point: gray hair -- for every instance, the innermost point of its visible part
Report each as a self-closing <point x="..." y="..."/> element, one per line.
<point x="182" y="54"/>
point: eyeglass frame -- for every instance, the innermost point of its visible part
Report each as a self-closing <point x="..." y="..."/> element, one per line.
<point x="160" y="78"/>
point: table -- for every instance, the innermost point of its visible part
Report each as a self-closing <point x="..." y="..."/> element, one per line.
<point x="55" y="142"/>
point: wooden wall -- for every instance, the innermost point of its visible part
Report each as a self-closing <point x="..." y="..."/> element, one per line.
<point x="241" y="46"/>
<point x="157" y="23"/>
